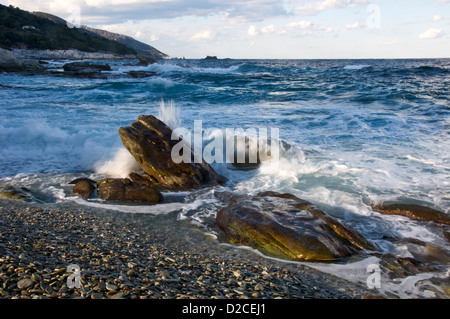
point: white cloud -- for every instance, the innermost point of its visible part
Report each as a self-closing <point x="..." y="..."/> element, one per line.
<point x="269" y="29"/>
<point x="203" y="35"/>
<point x="390" y="42"/>
<point x="430" y="34"/>
<point x="252" y="31"/>
<point x="300" y="25"/>
<point x="352" y="26"/>
<point x="437" y="18"/>
<point x="313" y="7"/>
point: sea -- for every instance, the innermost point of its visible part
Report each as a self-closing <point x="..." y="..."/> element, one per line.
<point x="353" y="133"/>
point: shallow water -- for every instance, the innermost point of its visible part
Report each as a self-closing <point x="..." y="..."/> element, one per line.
<point x="354" y="133"/>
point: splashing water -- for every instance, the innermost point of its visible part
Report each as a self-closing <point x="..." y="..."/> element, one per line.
<point x="170" y="114"/>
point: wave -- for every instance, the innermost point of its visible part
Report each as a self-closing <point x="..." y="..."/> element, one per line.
<point x="356" y="66"/>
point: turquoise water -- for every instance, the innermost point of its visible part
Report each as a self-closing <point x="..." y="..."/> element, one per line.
<point x="355" y="133"/>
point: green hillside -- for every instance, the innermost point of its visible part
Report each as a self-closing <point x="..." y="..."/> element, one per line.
<point x="24" y="30"/>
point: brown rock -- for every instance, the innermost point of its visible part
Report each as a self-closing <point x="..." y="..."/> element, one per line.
<point x="416" y="212"/>
<point x="150" y="142"/>
<point x="284" y="226"/>
<point x="124" y="189"/>
<point x="83" y="187"/>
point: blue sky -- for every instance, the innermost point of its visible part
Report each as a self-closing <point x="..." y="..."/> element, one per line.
<point x="284" y="29"/>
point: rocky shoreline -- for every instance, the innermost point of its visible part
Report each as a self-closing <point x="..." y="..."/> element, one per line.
<point x="128" y="256"/>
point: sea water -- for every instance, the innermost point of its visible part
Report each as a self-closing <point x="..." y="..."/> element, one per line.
<point x="354" y="133"/>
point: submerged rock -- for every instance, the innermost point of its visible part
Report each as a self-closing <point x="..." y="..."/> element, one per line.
<point x="413" y="211"/>
<point x="150" y="142"/>
<point x="124" y="189"/>
<point x="284" y="226"/>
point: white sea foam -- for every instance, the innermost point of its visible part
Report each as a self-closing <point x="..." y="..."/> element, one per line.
<point x="356" y="66"/>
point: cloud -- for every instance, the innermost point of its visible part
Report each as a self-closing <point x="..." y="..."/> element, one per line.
<point x="437" y="18"/>
<point x="203" y="35"/>
<point x="252" y="31"/>
<point x="314" y="7"/>
<point x="390" y="42"/>
<point x="300" y="25"/>
<point x="430" y="34"/>
<point x="352" y="26"/>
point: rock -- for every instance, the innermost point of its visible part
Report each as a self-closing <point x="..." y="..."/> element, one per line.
<point x="211" y="57"/>
<point x="251" y="157"/>
<point x="124" y="189"/>
<point x="84" y="187"/>
<point x="447" y="234"/>
<point x="284" y="226"/>
<point x="9" y="63"/>
<point x="141" y="74"/>
<point x="150" y="142"/>
<point x="85" y="67"/>
<point x="85" y="70"/>
<point x="25" y="283"/>
<point x="10" y="192"/>
<point x="402" y="267"/>
<point x="416" y="212"/>
<point x="145" y="61"/>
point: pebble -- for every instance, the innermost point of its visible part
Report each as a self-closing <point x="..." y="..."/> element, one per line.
<point x="127" y="258"/>
<point x="25" y="283"/>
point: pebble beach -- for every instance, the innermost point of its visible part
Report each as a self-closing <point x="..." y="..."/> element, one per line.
<point x="138" y="256"/>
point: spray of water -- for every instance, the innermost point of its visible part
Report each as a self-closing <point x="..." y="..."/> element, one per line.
<point x="170" y="114"/>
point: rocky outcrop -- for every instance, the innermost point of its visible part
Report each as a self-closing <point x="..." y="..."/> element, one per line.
<point x="10" y="63"/>
<point x="150" y="142"/>
<point x="416" y="212"/>
<point x="284" y="226"/>
<point x="85" y="70"/>
<point x="124" y="189"/>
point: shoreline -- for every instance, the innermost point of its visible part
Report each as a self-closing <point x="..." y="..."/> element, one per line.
<point x="138" y="256"/>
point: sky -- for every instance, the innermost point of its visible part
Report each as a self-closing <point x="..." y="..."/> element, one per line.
<point x="268" y="29"/>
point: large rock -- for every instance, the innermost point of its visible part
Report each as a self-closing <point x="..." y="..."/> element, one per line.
<point x="413" y="211"/>
<point x="84" y="187"/>
<point x="123" y="189"/>
<point x="85" y="70"/>
<point x="9" y="63"/>
<point x="150" y="142"/>
<point x="284" y="226"/>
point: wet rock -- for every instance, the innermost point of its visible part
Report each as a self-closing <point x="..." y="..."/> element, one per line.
<point x="145" y="61"/>
<point x="447" y="234"/>
<point x="84" y="187"/>
<point x="85" y="70"/>
<point x="124" y="189"/>
<point x="10" y="63"/>
<point x="413" y="211"/>
<point x="284" y="226"/>
<point x="150" y="142"/>
<point x="10" y="192"/>
<point x="402" y="267"/>
<point x="246" y="153"/>
<point x="141" y="74"/>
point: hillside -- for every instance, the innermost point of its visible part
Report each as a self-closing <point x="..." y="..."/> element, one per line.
<point x="21" y="29"/>
<point x="140" y="47"/>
